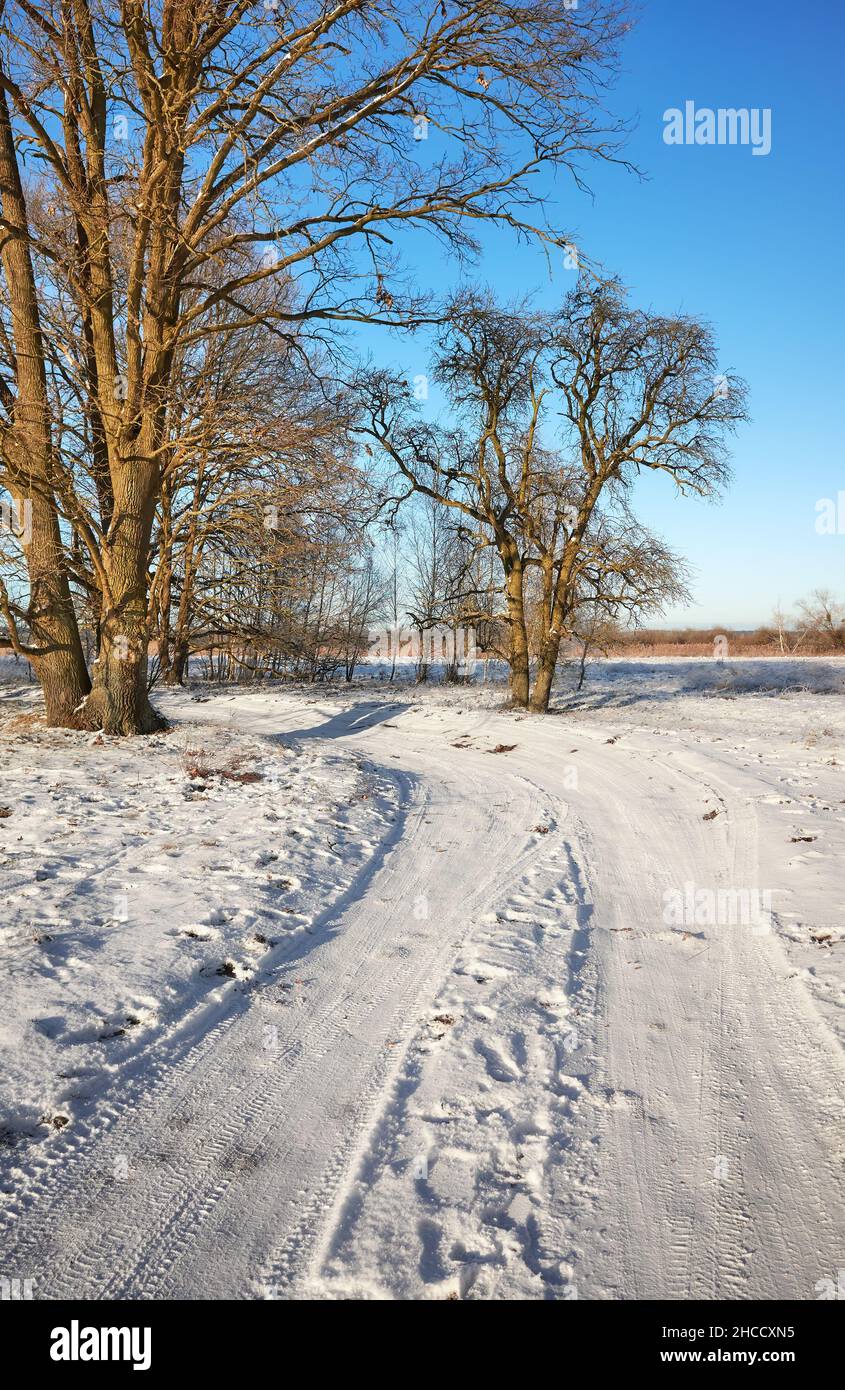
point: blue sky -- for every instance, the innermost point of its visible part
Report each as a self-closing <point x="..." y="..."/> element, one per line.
<point x="754" y="244"/>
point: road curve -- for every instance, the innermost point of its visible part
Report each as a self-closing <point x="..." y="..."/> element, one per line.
<point x="719" y="1176"/>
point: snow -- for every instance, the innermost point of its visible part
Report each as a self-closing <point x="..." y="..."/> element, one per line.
<point x="387" y="992"/>
<point x="146" y="887"/>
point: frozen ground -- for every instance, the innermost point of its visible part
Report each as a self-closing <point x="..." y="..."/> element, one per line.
<point x="388" y="993"/>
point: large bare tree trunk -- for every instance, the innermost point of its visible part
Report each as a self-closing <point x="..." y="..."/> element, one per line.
<point x="178" y="666"/>
<point x="519" y="662"/>
<point x="127" y="405"/>
<point x="556" y="589"/>
<point x="54" y="647"/>
<point x="119" y="702"/>
<point x="544" y="679"/>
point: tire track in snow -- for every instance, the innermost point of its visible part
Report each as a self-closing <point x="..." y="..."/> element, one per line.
<point x="224" y="1169"/>
<point x="754" y="1077"/>
<point x="487" y="1106"/>
<point x="704" y="1049"/>
<point x="719" y="1089"/>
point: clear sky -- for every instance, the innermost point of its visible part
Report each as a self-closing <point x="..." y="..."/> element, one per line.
<point x="753" y="243"/>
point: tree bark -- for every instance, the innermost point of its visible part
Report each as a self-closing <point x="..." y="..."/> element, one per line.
<point x="519" y="661"/>
<point x="55" y="647"/>
<point x="544" y="679"/>
<point x="119" y="702"/>
<point x="175" y="673"/>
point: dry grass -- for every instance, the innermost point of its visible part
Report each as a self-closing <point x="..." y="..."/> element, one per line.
<point x="701" y="642"/>
<point x="23" y="723"/>
<point x="197" y="766"/>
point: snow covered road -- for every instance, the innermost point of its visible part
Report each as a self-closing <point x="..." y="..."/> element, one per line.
<point x="519" y="1068"/>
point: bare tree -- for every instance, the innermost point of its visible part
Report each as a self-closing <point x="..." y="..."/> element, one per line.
<point x="259" y="444"/>
<point x="362" y="596"/>
<point x="622" y="390"/>
<point x="436" y="565"/>
<point x="822" y="616"/>
<point x="280" y="143"/>
<point x="28" y="466"/>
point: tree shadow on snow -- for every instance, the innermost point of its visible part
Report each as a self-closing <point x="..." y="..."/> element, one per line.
<point x="348" y="722"/>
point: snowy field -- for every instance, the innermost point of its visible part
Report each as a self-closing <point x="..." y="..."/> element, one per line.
<point x="386" y="992"/>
